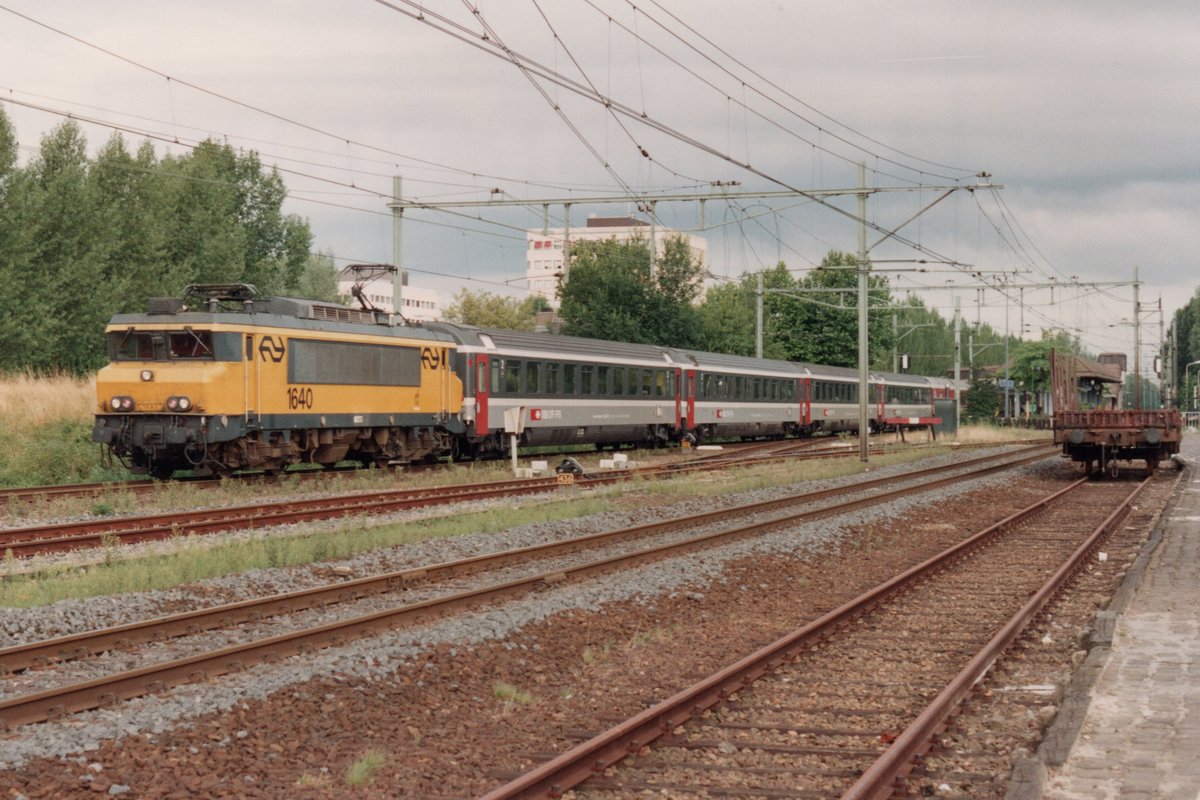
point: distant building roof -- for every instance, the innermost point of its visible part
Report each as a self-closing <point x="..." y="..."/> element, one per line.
<point x="615" y="222"/>
<point x="1105" y="372"/>
<point x="1082" y="368"/>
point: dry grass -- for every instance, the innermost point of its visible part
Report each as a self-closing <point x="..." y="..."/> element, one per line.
<point x="982" y="434"/>
<point x="46" y="431"/>
<point x="33" y="400"/>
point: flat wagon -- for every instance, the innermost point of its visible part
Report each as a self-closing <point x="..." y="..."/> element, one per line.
<point x="1098" y="438"/>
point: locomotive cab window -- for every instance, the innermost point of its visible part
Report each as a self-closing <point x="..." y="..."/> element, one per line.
<point x="188" y="344"/>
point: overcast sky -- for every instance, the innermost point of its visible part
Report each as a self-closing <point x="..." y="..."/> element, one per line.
<point x="1086" y="113"/>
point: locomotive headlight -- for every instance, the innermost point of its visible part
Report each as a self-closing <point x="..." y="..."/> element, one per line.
<point x="127" y="404"/>
<point x="120" y="403"/>
<point x="172" y="404"/>
<point x="184" y="404"/>
<point x="147" y="374"/>
<point x="115" y="404"/>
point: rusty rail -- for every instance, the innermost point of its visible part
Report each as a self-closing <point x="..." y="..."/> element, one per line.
<point x="39" y="706"/>
<point x="594" y="756"/>
<point x="880" y="779"/>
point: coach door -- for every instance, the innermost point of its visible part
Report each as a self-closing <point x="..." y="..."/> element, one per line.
<point x="481" y="395"/>
<point x="691" y="400"/>
<point x="678" y="397"/>
<point x="804" y="390"/>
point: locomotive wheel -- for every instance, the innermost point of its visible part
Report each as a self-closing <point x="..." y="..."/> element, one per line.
<point x="161" y="472"/>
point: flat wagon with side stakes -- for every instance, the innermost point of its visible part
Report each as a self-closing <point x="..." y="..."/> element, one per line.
<point x="1099" y="438"/>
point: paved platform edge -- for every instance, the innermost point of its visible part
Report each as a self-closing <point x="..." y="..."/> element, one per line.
<point x="1029" y="774"/>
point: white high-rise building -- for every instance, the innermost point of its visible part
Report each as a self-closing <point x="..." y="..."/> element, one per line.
<point x="544" y="256"/>
<point x="418" y="303"/>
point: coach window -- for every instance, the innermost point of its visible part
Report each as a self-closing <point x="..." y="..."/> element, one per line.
<point x="660" y="383"/>
<point x="532" y="375"/>
<point x="670" y="383"/>
<point x="512" y="377"/>
<point x="568" y="374"/>
<point x="601" y="380"/>
<point x="497" y="383"/>
<point x="585" y="379"/>
<point x="551" y="386"/>
<point x="618" y="380"/>
<point x="647" y="382"/>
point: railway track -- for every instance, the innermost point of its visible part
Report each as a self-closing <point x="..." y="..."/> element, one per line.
<point x="848" y="704"/>
<point x="60" y="537"/>
<point x="31" y="494"/>
<point x="72" y="697"/>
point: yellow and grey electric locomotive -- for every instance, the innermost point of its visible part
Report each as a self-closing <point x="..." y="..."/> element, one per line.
<point x="219" y="381"/>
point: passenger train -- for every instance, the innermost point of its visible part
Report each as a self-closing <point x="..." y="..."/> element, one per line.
<point x="221" y="380"/>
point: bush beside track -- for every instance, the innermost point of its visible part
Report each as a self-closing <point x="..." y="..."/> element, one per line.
<point x="46" y="431"/>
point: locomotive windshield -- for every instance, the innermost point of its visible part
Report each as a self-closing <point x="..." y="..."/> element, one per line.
<point x="134" y="345"/>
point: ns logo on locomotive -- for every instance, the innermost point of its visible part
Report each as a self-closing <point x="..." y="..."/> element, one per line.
<point x="221" y="380"/>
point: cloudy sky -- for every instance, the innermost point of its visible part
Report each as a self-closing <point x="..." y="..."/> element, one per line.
<point x="1086" y="113"/>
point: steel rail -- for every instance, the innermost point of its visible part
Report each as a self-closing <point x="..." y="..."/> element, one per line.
<point x="29" y="493"/>
<point x="62" y="537"/>
<point x="16" y="658"/>
<point x="881" y="778"/>
<point x="74" y="535"/>
<point x="51" y="703"/>
<point x="99" y="489"/>
<point x="593" y="757"/>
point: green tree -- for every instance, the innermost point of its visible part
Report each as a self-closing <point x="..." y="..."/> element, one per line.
<point x="64" y="272"/>
<point x="728" y="315"/>
<point x="487" y="310"/>
<point x="610" y="294"/>
<point x="17" y="289"/>
<point x="131" y="237"/>
<point x="981" y="401"/>
<point x="824" y="328"/>
<point x="204" y="243"/>
<point x="226" y="223"/>
<point x="318" y="280"/>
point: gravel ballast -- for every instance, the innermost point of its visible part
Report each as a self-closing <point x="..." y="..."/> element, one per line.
<point x="391" y="655"/>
